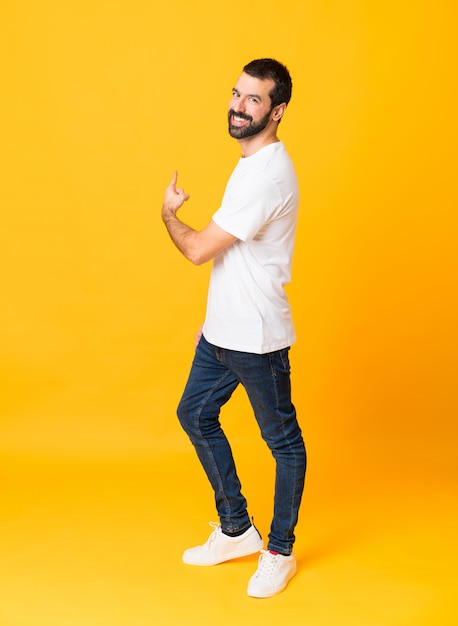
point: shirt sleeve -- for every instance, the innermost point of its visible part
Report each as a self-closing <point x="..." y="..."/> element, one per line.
<point x="249" y="202"/>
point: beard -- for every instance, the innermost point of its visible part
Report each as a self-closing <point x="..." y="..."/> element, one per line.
<point x="252" y="129"/>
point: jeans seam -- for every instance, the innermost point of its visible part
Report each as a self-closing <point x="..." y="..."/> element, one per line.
<point x="204" y="440"/>
<point x="286" y="437"/>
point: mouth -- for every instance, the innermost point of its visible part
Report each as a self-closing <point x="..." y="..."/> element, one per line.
<point x="237" y="119"/>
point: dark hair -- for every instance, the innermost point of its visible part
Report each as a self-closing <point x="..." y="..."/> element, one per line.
<point x="270" y="68"/>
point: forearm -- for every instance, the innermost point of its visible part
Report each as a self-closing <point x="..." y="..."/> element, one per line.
<point x="197" y="246"/>
<point x="182" y="235"/>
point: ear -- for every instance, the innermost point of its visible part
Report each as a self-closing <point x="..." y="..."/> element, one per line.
<point x="279" y="112"/>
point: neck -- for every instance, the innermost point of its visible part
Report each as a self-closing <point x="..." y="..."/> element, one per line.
<point x="250" y="145"/>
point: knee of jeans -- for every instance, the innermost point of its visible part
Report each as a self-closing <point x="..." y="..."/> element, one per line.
<point x="186" y="418"/>
<point x="182" y="414"/>
<point x="289" y="449"/>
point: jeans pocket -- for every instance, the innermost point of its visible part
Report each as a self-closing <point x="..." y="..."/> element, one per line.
<point x="284" y="356"/>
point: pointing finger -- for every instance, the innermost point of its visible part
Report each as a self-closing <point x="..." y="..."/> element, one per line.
<point x="173" y="182"/>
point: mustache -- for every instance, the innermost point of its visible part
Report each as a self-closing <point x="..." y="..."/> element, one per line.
<point x="244" y="116"/>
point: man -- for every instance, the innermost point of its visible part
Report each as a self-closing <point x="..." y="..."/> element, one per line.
<point x="248" y="327"/>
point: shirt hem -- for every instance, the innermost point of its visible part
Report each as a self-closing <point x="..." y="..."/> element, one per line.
<point x="228" y="345"/>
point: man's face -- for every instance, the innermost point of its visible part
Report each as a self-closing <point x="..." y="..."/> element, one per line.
<point x="250" y="107"/>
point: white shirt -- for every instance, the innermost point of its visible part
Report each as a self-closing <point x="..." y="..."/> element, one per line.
<point x="247" y="306"/>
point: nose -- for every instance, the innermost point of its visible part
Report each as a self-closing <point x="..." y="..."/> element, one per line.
<point x="238" y="105"/>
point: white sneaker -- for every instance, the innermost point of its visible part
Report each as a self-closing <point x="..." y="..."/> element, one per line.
<point x="219" y="547"/>
<point x="273" y="574"/>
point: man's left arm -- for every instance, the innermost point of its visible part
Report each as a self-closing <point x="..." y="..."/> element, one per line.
<point x="197" y="246"/>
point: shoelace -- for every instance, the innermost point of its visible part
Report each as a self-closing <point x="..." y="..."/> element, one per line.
<point x="267" y="564"/>
<point x="213" y="536"/>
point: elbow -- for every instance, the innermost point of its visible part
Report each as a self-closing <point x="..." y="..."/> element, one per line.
<point x="197" y="251"/>
<point x="197" y="258"/>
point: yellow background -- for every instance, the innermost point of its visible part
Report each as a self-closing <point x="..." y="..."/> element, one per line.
<point x="100" y="102"/>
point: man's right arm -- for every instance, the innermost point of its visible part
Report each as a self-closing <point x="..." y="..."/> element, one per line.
<point x="197" y="246"/>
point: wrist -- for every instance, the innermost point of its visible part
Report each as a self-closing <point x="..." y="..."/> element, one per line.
<point x="167" y="213"/>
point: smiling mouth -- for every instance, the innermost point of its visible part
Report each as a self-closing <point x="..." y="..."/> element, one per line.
<point x="239" y="120"/>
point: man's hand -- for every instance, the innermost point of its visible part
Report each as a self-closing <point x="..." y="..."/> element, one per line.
<point x="174" y="196"/>
<point x="198" y="337"/>
<point x="197" y="246"/>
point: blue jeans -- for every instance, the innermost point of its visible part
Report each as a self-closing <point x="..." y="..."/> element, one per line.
<point x="215" y="374"/>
